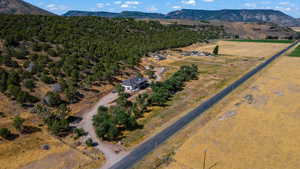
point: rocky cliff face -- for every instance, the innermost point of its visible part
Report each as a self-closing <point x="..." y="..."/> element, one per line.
<point x="272" y="16"/>
<point x="20" y="7"/>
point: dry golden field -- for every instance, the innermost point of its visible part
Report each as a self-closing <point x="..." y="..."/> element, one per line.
<point x="244" y="49"/>
<point x="259" y="128"/>
<point x="215" y="73"/>
<point x="26" y="153"/>
<point x="297" y="29"/>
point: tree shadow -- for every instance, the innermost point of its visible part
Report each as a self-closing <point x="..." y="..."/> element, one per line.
<point x="27" y="105"/>
<point x="12" y="137"/>
<point x="30" y="129"/>
<point x="2" y="115"/>
<point x="74" y="119"/>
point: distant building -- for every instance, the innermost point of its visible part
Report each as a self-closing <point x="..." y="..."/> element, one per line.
<point x="134" y="84"/>
<point x="157" y="56"/>
<point x="195" y="53"/>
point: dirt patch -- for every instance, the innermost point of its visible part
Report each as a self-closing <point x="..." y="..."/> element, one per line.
<point x="66" y="160"/>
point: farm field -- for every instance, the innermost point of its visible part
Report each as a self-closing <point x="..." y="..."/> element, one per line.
<point x="264" y="41"/>
<point x="297" y="29"/>
<point x="245" y="49"/>
<point x="215" y="74"/>
<point x="257" y="128"/>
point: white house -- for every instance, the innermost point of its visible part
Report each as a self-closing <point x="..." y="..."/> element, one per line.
<point x="134" y="84"/>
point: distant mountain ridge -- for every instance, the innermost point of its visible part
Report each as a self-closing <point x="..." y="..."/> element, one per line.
<point x="242" y="15"/>
<point x="20" y="7"/>
<point x="124" y="14"/>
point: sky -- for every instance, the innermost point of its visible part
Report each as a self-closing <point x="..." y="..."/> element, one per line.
<point x="291" y="7"/>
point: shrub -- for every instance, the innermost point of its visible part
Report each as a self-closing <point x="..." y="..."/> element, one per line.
<point x="47" y="79"/>
<point x="29" y="84"/>
<point x="5" y="133"/>
<point x="216" y="50"/>
<point x="89" y="142"/>
<point x="18" y="123"/>
<point x="58" y="127"/>
<point x="79" y="132"/>
<point x="52" y="99"/>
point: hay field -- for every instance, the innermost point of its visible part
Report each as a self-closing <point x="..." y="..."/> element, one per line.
<point x="258" y="129"/>
<point x="297" y="29"/>
<point x="243" y="49"/>
<point x="215" y="74"/>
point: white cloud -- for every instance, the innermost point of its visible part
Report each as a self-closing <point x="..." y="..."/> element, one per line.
<point x="132" y="2"/>
<point x="128" y="4"/>
<point x="284" y="3"/>
<point x="284" y="9"/>
<point x="209" y="0"/>
<point x="56" y="7"/>
<point x="176" y="7"/>
<point x="102" y="5"/>
<point x="124" y="6"/>
<point x="250" y="5"/>
<point x="189" y="2"/>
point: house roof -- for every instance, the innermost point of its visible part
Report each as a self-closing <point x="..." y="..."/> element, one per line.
<point x="134" y="82"/>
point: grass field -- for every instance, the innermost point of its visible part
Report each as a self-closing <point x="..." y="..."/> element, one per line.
<point x="215" y="73"/>
<point x="233" y="53"/>
<point x="258" y="128"/>
<point x="296" y="52"/>
<point x="264" y="41"/>
<point x="26" y="153"/>
<point x="242" y="50"/>
<point x="297" y="29"/>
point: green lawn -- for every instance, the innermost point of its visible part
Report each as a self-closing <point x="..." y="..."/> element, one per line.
<point x="264" y="41"/>
<point x="296" y="52"/>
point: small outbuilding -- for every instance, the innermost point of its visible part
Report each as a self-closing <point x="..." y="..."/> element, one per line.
<point x="134" y="84"/>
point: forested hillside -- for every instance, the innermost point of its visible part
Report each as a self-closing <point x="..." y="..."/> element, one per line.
<point x="72" y="53"/>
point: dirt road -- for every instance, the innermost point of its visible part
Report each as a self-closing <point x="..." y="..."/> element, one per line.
<point x="109" y="150"/>
<point x="112" y="152"/>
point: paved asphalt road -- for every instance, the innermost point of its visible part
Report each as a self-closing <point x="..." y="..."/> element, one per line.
<point x="139" y="152"/>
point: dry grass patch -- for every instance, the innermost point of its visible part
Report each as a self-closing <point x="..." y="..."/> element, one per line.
<point x="257" y="129"/>
<point x="25" y="152"/>
<point x="215" y="74"/>
<point x="243" y="49"/>
<point x="297" y="29"/>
